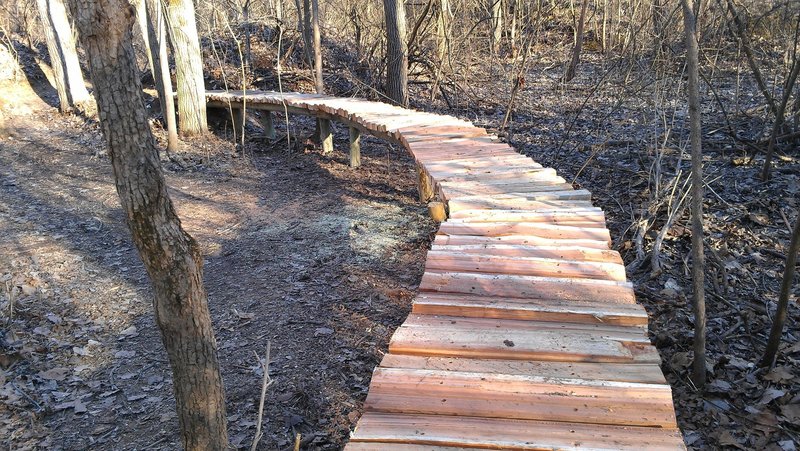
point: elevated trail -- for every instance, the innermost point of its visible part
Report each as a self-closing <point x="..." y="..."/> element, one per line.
<point x="525" y="333"/>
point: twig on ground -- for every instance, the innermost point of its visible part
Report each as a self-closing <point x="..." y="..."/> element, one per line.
<point x="265" y="383"/>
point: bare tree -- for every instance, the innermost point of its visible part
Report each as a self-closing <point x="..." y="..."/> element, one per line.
<point x="318" y="83"/>
<point x="170" y="255"/>
<point x="67" y="74"/>
<point x="768" y="360"/>
<point x="576" y="51"/>
<point x="157" y="39"/>
<point x="189" y="68"/>
<point x="396" y="51"/>
<point x="698" y="257"/>
<point x="496" y="23"/>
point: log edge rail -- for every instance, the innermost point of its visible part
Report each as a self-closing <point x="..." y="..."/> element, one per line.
<point x="525" y="333"/>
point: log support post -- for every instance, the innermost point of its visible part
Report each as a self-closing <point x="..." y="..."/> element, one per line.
<point x="238" y="119"/>
<point x="325" y="135"/>
<point x="437" y="211"/>
<point x="268" y="124"/>
<point x="355" y="147"/>
<point x="424" y="185"/>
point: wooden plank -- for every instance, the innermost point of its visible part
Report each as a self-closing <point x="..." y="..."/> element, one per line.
<point x="463" y="189"/>
<point x="554" y="310"/>
<point x="521" y="397"/>
<point x="524" y="240"/>
<point x="384" y="446"/>
<point x="581" y="198"/>
<point x="564" y="252"/>
<point x="622" y="372"/>
<point x="500" y="176"/>
<point x="528" y="287"/>
<point x="538" y="229"/>
<point x="449" y="261"/>
<point x="448" y="336"/>
<point x="471" y="432"/>
<point x="577" y="216"/>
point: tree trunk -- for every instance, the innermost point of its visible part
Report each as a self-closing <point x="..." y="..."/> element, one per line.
<point x="496" y="12"/>
<point x="172" y="257"/>
<point x="304" y="23"/>
<point x="396" y="51"/>
<point x="442" y="30"/>
<point x="576" y="51"/>
<point x="141" y="20"/>
<point x="698" y="257"/>
<point x="67" y="74"/>
<point x="318" y="83"/>
<point x="783" y="300"/>
<point x="189" y="68"/>
<point x="157" y="39"/>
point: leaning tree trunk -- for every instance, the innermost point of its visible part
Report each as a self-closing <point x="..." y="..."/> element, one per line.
<point x="189" y="68"/>
<point x="157" y="39"/>
<point x="67" y="74"/>
<point x="172" y="257"/>
<point x="771" y="352"/>
<point x="698" y="257"/>
<point x="576" y="51"/>
<point x="396" y="51"/>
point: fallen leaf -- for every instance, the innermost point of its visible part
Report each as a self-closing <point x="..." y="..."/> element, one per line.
<point x="54" y="374"/>
<point x="780" y="374"/>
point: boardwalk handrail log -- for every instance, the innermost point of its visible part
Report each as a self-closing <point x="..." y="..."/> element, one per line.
<point x="525" y="333"/>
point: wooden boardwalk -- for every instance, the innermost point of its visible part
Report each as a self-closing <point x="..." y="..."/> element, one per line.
<point x="525" y="333"/>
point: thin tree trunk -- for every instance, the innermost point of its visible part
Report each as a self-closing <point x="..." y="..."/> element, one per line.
<point x="698" y="257"/>
<point x="442" y="30"/>
<point x="576" y="51"/>
<point x="141" y="20"/>
<point x="157" y="38"/>
<point x="768" y="360"/>
<point x="67" y="74"/>
<point x="318" y="82"/>
<point x="189" y="68"/>
<point x="396" y="51"/>
<point x="170" y="255"/>
<point x="751" y="59"/>
<point x="496" y="11"/>
<point x="305" y="28"/>
<point x="780" y="114"/>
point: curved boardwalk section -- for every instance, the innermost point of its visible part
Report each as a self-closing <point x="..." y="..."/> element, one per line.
<point x="525" y="333"/>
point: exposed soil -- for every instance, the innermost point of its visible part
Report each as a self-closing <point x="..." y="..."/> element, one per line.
<point x="301" y="251"/>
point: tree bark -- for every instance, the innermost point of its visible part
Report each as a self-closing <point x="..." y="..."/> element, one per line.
<point x="304" y="23"/>
<point x="496" y="12"/>
<point x="189" y="68"/>
<point x="576" y="51"/>
<point x="170" y="255"/>
<point x="396" y="51"/>
<point x="318" y="82"/>
<point x="67" y="74"/>
<point x="698" y="257"/>
<point x="157" y="39"/>
<point x="768" y="360"/>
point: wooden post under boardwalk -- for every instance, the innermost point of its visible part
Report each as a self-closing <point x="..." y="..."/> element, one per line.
<point x="355" y="147"/>
<point x="325" y="136"/>
<point x="268" y="124"/>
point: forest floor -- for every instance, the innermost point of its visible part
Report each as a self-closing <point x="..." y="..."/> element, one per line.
<point x="323" y="261"/>
<point x="300" y="250"/>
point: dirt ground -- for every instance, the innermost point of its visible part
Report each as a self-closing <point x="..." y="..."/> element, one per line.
<point x="301" y="252"/>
